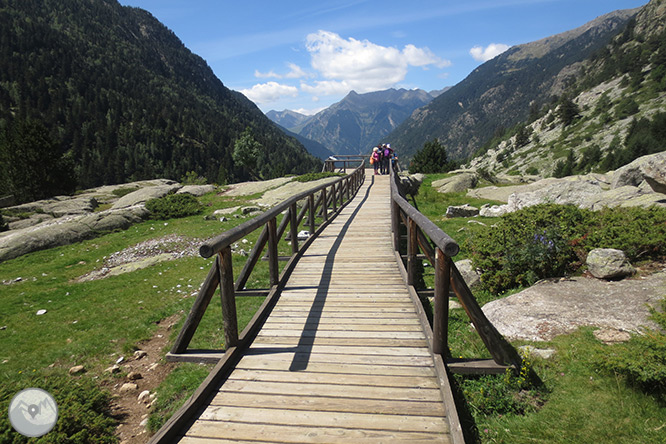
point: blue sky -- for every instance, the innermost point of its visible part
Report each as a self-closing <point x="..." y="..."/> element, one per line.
<point x="307" y="55"/>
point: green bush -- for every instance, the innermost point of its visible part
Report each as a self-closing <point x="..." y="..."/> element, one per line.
<point x="123" y="191"/>
<point x="83" y="411"/>
<point x="642" y="360"/>
<point x="3" y="224"/>
<point x="173" y="206"/>
<point x="553" y="240"/>
<point x="528" y="245"/>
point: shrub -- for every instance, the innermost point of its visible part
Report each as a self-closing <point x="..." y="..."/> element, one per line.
<point x="3" y="224"/>
<point x="123" y="191"/>
<point x="550" y="240"/>
<point x="642" y="360"/>
<point x="192" y="178"/>
<point x="83" y="411"/>
<point x="528" y="245"/>
<point x="174" y="206"/>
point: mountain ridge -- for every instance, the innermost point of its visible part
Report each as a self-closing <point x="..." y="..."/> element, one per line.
<point x="504" y="90"/>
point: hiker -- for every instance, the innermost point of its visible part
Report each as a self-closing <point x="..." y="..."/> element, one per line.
<point x="375" y="159"/>
<point x="387" y="153"/>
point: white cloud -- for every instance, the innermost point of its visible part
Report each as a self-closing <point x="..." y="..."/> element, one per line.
<point x="266" y="75"/>
<point x="361" y="65"/>
<point x="269" y="92"/>
<point x="296" y="72"/>
<point x="491" y="51"/>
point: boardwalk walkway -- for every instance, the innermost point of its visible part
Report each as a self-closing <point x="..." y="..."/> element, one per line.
<point x="342" y="357"/>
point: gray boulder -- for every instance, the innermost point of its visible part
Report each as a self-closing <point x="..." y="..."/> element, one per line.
<point x="456" y="184"/>
<point x="67" y="230"/>
<point x="410" y="184"/>
<point x="470" y="275"/>
<point x="196" y="190"/>
<point x="461" y="211"/>
<point x="651" y="168"/>
<point x="654" y="172"/>
<point x="145" y="194"/>
<point x="608" y="263"/>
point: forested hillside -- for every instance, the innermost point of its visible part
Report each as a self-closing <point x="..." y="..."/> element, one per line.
<point x="612" y="111"/>
<point x="92" y="93"/>
<point x="505" y="90"/>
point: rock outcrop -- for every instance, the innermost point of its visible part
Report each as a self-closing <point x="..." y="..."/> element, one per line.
<point x="553" y="307"/>
<point x="640" y="183"/>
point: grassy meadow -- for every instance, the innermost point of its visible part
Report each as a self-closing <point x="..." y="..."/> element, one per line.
<point x="93" y="323"/>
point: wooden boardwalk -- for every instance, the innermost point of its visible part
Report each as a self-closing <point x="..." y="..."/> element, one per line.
<point x="342" y="356"/>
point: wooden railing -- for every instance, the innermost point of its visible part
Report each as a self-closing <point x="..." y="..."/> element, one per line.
<point x="438" y="248"/>
<point x="342" y="163"/>
<point x="322" y="202"/>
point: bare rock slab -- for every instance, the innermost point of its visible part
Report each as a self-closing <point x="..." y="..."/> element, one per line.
<point x="551" y="308"/>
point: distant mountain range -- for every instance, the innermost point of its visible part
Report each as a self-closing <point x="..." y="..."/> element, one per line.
<point x="506" y="89"/>
<point x="359" y="121"/>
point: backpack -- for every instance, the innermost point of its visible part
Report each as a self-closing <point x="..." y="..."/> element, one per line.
<point x="387" y="152"/>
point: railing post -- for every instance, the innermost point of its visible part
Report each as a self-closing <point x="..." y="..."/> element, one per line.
<point x="324" y="204"/>
<point x="334" y="198"/>
<point x="293" y="227"/>
<point x="395" y="224"/>
<point x="341" y="195"/>
<point x="273" y="252"/>
<point x="440" y="323"/>
<point x="228" y="297"/>
<point x="412" y="250"/>
<point x="311" y="213"/>
<point x="348" y="183"/>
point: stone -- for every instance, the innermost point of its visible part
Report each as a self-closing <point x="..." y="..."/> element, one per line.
<point x="113" y="369"/>
<point x="611" y="335"/>
<point x="196" y="190"/>
<point x="609" y="263"/>
<point x="456" y="184"/>
<point x="654" y="172"/>
<point x="138" y="354"/>
<point x="67" y="230"/>
<point x="128" y="387"/>
<point x="143" y="195"/>
<point x="144" y="396"/>
<point x="410" y="184"/>
<point x="553" y="307"/>
<point x="77" y="370"/>
<point x="250" y="210"/>
<point x="543" y="353"/>
<point x="470" y="275"/>
<point x="493" y="210"/>
<point x="225" y="211"/>
<point x="461" y="211"/>
<point x="133" y="376"/>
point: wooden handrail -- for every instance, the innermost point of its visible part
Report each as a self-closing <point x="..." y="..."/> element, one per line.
<point x="221" y="273"/>
<point x="438" y="248"/>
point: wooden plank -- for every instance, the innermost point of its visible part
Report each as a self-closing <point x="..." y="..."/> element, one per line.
<point x="343" y="350"/>
<point x="333" y="390"/>
<point x="334" y="379"/>
<point x="287" y="417"/>
<point x="339" y="368"/>
<point x="291" y="434"/>
<point x="330" y="404"/>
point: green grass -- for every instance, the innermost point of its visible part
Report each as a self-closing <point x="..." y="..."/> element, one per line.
<point x="93" y="323"/>
<point x="580" y="403"/>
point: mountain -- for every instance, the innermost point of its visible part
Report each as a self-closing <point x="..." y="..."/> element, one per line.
<point x="315" y="148"/>
<point x="359" y="121"/>
<point x="94" y="93"/>
<point x="287" y="118"/>
<point x="612" y="111"/>
<point x="505" y="90"/>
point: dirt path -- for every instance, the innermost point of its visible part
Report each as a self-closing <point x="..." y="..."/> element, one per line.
<point x="148" y="363"/>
